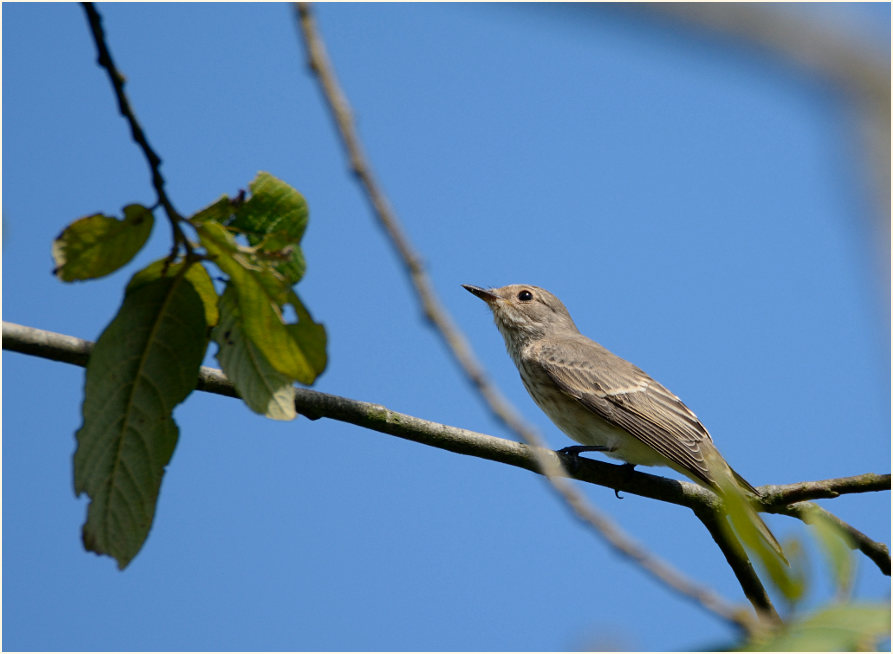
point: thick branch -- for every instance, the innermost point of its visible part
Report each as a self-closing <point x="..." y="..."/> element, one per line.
<point x="313" y="404"/>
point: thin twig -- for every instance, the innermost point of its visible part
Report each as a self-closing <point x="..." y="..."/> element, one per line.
<point x="437" y="315"/>
<point x="877" y="552"/>
<point x="738" y="560"/>
<point x="432" y="308"/>
<point x="313" y="404"/>
<point x="117" y="80"/>
<point x="774" y="496"/>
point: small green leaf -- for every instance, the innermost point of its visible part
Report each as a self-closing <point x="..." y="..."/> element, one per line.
<point x="261" y="292"/>
<point x="844" y="628"/>
<point x="145" y="363"/>
<point x="97" y="245"/>
<point x="220" y="211"/>
<point x="264" y="389"/>
<point x="274" y="219"/>
<point x="837" y="546"/>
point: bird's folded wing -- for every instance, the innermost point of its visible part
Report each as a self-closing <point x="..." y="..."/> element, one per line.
<point x="628" y="398"/>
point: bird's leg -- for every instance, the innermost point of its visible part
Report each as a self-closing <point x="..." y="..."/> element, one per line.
<point x="571" y="454"/>
<point x="574" y="450"/>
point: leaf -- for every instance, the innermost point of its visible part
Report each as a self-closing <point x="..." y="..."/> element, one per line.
<point x="837" y="546"/>
<point x="195" y="275"/>
<point x="295" y="350"/>
<point x="274" y="218"/>
<point x="220" y="211"/>
<point x="97" y="245"/>
<point x="145" y="363"/>
<point x="843" y="628"/>
<point x="264" y="389"/>
<point x="749" y="528"/>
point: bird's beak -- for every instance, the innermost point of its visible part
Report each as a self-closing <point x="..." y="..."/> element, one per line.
<point x="482" y="293"/>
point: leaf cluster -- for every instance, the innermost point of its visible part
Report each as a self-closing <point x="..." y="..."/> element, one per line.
<point x="147" y="359"/>
<point x="842" y="625"/>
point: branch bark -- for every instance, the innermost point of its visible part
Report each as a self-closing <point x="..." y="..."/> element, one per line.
<point x="786" y="499"/>
<point x="439" y="318"/>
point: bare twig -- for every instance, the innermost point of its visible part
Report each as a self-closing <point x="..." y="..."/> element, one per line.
<point x="432" y="308"/>
<point x="437" y="315"/>
<point x="313" y="404"/>
<point x="738" y="560"/>
<point x="776" y="496"/>
<point x="877" y="552"/>
<point x="139" y="136"/>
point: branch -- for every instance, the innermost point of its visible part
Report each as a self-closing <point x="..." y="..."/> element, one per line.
<point x="738" y="560"/>
<point x="705" y="504"/>
<point x="314" y="405"/>
<point x="117" y="80"/>
<point x="474" y="372"/>
<point x="877" y="552"/>
<point x="432" y="308"/>
<point x="777" y="496"/>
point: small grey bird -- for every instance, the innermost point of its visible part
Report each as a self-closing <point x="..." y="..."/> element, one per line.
<point x="600" y="399"/>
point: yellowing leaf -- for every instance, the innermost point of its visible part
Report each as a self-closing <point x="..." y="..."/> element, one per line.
<point x="98" y="245"/>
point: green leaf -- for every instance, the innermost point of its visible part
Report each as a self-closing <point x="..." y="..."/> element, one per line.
<point x="751" y="531"/>
<point x="261" y="293"/>
<point x="837" y="546"/>
<point x="145" y="363"/>
<point x="274" y="219"/>
<point x="220" y="211"/>
<point x="264" y="389"/>
<point x="195" y="275"/>
<point x="844" y="628"/>
<point x="97" y="245"/>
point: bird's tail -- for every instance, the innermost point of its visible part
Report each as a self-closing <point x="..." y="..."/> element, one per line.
<point x="762" y="528"/>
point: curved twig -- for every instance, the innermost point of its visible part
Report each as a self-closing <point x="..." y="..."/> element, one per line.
<point x="877" y="552"/>
<point x="437" y="315"/>
<point x="117" y="80"/>
<point x="432" y="308"/>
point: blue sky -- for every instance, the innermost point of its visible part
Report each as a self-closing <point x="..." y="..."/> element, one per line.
<point x="697" y="206"/>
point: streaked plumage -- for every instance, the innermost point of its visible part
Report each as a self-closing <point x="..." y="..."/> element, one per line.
<point x="598" y="398"/>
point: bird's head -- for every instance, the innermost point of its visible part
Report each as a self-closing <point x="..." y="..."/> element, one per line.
<point x="523" y="312"/>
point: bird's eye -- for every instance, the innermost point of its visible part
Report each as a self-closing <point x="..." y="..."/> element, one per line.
<point x="525" y="296"/>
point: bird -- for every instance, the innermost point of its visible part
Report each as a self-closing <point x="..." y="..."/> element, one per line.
<point x="602" y="400"/>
